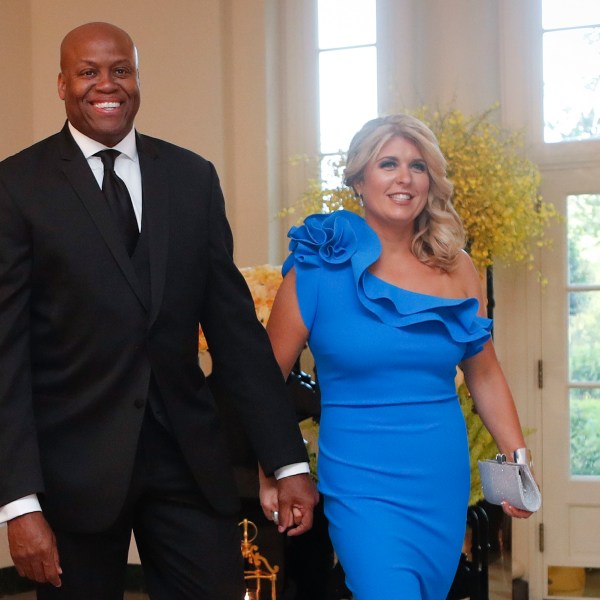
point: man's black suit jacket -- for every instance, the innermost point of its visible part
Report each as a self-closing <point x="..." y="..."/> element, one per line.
<point x="78" y="341"/>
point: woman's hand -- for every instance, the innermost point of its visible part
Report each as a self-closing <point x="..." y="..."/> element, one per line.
<point x="268" y="494"/>
<point x="511" y="511"/>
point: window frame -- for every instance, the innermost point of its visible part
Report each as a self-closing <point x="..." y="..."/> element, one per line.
<point x="522" y="69"/>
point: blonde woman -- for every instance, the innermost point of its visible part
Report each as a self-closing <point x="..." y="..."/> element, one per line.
<point x="390" y="305"/>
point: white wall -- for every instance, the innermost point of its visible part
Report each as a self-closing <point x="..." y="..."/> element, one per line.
<point x="438" y="53"/>
<point x="15" y="68"/>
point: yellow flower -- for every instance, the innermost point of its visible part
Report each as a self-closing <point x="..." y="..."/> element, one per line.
<point x="263" y="281"/>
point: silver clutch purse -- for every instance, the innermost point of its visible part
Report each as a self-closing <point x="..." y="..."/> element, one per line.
<point x="513" y="482"/>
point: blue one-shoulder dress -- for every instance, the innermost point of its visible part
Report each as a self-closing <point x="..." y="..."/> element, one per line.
<point x="393" y="462"/>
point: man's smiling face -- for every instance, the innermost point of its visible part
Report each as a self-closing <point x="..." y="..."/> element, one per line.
<point x="99" y="82"/>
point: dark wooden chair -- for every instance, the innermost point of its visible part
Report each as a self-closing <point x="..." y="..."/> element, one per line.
<point x="471" y="579"/>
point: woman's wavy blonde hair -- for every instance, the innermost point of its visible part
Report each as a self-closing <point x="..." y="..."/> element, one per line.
<point x="439" y="234"/>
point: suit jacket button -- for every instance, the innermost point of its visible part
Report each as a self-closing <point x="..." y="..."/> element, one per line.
<point x="139" y="403"/>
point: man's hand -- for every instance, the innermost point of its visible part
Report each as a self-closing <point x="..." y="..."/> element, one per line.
<point x="33" y="548"/>
<point x="297" y="496"/>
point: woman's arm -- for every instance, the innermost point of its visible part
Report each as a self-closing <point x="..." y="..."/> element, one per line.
<point x="487" y="385"/>
<point x="485" y="379"/>
<point x="495" y="405"/>
<point x="285" y="327"/>
<point x="288" y="336"/>
<point x="493" y="399"/>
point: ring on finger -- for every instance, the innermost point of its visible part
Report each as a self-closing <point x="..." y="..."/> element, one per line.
<point x="276" y="517"/>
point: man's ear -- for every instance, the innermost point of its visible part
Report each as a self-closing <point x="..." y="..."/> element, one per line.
<point x="61" y="86"/>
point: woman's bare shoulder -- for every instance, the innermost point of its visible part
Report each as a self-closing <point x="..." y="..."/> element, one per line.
<point x="467" y="276"/>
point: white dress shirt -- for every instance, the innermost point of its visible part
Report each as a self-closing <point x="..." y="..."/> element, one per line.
<point x="127" y="165"/>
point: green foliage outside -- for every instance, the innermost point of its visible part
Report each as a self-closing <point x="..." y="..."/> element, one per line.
<point x="583" y="219"/>
<point x="585" y="432"/>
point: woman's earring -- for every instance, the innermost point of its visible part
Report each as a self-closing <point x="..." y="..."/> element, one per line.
<point x="361" y="199"/>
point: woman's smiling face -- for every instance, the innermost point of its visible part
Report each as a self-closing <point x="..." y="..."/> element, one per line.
<point x="395" y="185"/>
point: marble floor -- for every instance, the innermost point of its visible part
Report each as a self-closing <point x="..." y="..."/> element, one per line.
<point x="500" y="579"/>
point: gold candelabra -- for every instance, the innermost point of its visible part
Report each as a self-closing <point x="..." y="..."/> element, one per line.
<point x="261" y="570"/>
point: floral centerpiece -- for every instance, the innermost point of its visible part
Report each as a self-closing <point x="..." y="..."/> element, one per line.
<point x="263" y="281"/>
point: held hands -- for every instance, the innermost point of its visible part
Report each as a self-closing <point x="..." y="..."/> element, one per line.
<point x="33" y="548"/>
<point x="292" y="498"/>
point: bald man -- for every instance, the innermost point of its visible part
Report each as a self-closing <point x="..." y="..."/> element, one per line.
<point x="106" y="421"/>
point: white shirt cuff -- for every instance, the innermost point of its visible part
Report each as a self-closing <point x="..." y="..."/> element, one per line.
<point x="293" y="469"/>
<point x="19" y="507"/>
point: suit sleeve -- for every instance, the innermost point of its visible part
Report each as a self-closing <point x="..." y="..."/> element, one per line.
<point x="20" y="472"/>
<point x="243" y="360"/>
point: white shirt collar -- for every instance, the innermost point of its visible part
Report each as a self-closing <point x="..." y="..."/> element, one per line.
<point x="89" y="147"/>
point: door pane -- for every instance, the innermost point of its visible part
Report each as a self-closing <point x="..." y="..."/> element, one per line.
<point x="584" y="337"/>
<point x="585" y="431"/>
<point x="583" y="229"/>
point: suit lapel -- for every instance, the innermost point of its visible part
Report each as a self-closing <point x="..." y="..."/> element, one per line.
<point x="155" y="193"/>
<point x="80" y="176"/>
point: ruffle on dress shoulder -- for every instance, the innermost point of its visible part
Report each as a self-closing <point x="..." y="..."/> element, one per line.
<point x="332" y="240"/>
<point x="322" y="239"/>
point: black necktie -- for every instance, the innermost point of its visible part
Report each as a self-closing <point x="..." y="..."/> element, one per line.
<point x="119" y="200"/>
